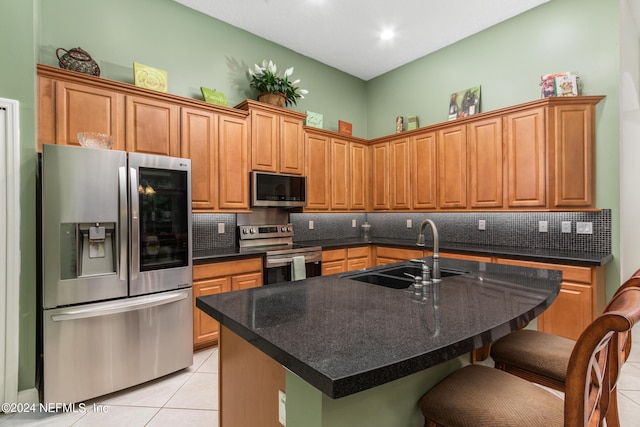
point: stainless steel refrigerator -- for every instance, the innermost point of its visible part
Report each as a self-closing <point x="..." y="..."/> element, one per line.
<point x="116" y="282"/>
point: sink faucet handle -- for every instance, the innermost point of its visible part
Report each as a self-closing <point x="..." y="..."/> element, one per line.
<point x="419" y="261"/>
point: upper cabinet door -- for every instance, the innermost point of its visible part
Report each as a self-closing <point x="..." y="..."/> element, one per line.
<point x="526" y="158"/>
<point x="339" y="174"/>
<point x="264" y="141"/>
<point x="359" y="177"/>
<point x="291" y="146"/>
<point x="573" y="135"/>
<point x="424" y="171"/>
<point x="380" y="176"/>
<point x="81" y="108"/>
<point x="485" y="161"/>
<point x="233" y="159"/>
<point x="318" y="170"/>
<point x="199" y="142"/>
<point x="400" y="176"/>
<point x="152" y="126"/>
<point x="452" y="167"/>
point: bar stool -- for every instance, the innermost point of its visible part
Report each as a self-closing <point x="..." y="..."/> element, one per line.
<point x="543" y="358"/>
<point x="482" y="396"/>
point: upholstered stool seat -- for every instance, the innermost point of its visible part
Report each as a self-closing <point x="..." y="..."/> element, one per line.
<point x="477" y="396"/>
<point x="535" y="356"/>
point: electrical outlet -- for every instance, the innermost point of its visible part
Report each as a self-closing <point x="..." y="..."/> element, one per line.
<point x="221" y="228"/>
<point x="566" y="226"/>
<point x="354" y="223"/>
<point x="310" y="225"/>
<point x="409" y="223"/>
<point x="482" y="224"/>
<point x="282" y="407"/>
<point x="543" y="226"/>
<point x="584" y="228"/>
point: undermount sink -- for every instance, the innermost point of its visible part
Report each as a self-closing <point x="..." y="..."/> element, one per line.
<point x="394" y="277"/>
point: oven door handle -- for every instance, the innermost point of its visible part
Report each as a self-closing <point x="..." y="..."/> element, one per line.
<point x="278" y="262"/>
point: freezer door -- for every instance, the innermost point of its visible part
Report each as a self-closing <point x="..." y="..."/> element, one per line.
<point x="160" y="223"/>
<point x="84" y="225"/>
<point x="95" y="349"/>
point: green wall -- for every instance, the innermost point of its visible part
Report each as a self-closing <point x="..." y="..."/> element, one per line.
<point x="195" y="49"/>
<point x="17" y="81"/>
<point x="506" y="60"/>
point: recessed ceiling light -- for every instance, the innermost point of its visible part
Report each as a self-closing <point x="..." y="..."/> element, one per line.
<point x="387" y="35"/>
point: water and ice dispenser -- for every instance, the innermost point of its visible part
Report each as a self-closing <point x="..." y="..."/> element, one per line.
<point x="87" y="249"/>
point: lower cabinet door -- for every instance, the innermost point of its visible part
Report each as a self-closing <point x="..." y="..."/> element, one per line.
<point x="569" y="313"/>
<point x="205" y="329"/>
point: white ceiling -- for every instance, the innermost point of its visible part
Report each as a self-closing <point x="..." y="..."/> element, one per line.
<point x="344" y="34"/>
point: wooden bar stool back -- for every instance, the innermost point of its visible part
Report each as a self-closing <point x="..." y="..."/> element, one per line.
<point x="482" y="396"/>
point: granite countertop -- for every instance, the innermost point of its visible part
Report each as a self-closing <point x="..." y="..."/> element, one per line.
<point x="343" y="336"/>
<point x="592" y="259"/>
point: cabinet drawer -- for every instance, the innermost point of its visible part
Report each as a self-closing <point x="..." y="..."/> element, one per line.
<point x="334" y="255"/>
<point x="360" y="252"/>
<point x="569" y="273"/>
<point x="398" y="253"/>
<point x="226" y="268"/>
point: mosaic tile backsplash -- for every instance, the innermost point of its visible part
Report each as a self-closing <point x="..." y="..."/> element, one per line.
<point x="518" y="229"/>
<point x="205" y="231"/>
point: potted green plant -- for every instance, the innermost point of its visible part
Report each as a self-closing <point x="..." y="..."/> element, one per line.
<point x="274" y="88"/>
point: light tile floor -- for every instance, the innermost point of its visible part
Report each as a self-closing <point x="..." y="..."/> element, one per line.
<point x="189" y="397"/>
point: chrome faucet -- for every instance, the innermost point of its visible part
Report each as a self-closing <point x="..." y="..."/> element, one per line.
<point x="436" y="247"/>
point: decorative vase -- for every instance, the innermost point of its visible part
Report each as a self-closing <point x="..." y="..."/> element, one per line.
<point x="278" y="99"/>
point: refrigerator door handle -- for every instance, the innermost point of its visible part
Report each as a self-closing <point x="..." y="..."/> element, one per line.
<point x="124" y="231"/>
<point x="135" y="224"/>
<point x="120" y="306"/>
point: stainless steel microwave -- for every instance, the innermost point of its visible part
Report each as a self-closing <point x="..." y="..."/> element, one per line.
<point x="278" y="190"/>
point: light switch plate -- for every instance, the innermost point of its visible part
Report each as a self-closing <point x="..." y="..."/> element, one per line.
<point x="221" y="228"/>
<point x="310" y="225"/>
<point x="543" y="226"/>
<point x="409" y="223"/>
<point x="482" y="224"/>
<point x="282" y="407"/>
<point x="566" y="226"/>
<point x="354" y="223"/>
<point x="584" y="228"/>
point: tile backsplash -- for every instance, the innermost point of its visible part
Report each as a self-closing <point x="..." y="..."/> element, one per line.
<point x="512" y="229"/>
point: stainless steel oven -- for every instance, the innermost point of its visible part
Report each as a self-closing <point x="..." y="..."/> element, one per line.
<point x="280" y="251"/>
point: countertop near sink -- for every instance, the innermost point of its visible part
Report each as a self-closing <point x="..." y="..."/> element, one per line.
<point x="592" y="259"/>
<point x="589" y="259"/>
<point x="343" y="336"/>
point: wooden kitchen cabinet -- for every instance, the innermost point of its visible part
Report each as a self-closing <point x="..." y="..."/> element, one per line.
<point x="334" y="261"/>
<point x="424" y="171"/>
<point x="467" y="257"/>
<point x="526" y="154"/>
<point x="66" y="108"/>
<point x="380" y="176"/>
<point x="452" y="167"/>
<point x="277" y="139"/>
<point x="318" y="171"/>
<point x="388" y="255"/>
<point x="337" y="171"/>
<point x="218" y="148"/>
<point x="340" y="184"/>
<point x="485" y="163"/>
<point x="358" y="176"/>
<point x="345" y="259"/>
<point x="581" y="299"/>
<point x="400" y="174"/>
<point x="152" y="126"/>
<point x="214" y="278"/>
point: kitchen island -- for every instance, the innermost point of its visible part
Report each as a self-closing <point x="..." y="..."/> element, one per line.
<point x="349" y="353"/>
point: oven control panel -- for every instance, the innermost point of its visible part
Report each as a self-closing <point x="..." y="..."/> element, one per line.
<point x="250" y="232"/>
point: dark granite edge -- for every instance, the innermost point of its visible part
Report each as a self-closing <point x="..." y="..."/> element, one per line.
<point x="323" y="383"/>
<point x="357" y="382"/>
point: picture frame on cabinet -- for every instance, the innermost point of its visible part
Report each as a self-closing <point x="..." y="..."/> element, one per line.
<point x="314" y="120"/>
<point x="150" y="78"/>
<point x="344" y="128"/>
<point x="212" y="96"/>
<point x="464" y="103"/>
